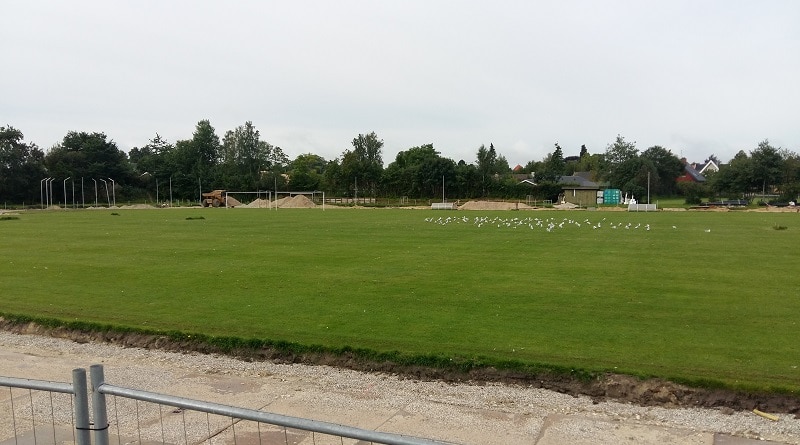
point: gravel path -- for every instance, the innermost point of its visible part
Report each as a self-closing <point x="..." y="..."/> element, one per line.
<point x="460" y="413"/>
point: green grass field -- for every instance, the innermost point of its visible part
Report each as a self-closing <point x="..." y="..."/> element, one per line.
<point x="714" y="299"/>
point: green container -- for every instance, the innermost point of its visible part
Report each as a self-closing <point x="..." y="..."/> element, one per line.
<point x="612" y="196"/>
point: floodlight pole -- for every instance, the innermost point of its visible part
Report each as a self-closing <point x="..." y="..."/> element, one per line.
<point x="107" y="197"/>
<point x="648" y="187"/>
<point x="170" y="190"/>
<point x="83" y="197"/>
<point x="41" y="191"/>
<point x="65" y="190"/>
<point x="148" y="174"/>
<point x="113" y="190"/>
<point x="48" y="191"/>
<point x="73" y="193"/>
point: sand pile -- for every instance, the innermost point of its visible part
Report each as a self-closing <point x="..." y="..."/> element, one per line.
<point x="137" y="207"/>
<point x="258" y="204"/>
<point x="233" y="202"/>
<point x="296" y="202"/>
<point x="492" y="205"/>
<point x="566" y="206"/>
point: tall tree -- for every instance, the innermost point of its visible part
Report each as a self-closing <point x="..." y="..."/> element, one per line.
<point x="554" y="165"/>
<point x="244" y="157"/>
<point x="206" y="149"/>
<point x="307" y="172"/>
<point x="419" y="171"/>
<point x="668" y="168"/>
<point x="195" y="162"/>
<point x="734" y="179"/>
<point x="767" y="166"/>
<point x="151" y="165"/>
<point x="363" y="165"/>
<point x="487" y="166"/>
<point x="21" y="167"/>
<point x="620" y="151"/>
<point x="150" y="157"/>
<point x="616" y="156"/>
<point x="91" y="156"/>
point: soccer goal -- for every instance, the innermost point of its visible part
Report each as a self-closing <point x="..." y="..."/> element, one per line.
<point x="299" y="200"/>
<point x="261" y="199"/>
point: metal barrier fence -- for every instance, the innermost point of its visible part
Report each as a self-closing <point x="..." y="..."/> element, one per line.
<point x="49" y="416"/>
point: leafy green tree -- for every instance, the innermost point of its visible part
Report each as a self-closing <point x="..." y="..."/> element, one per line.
<point x="467" y="182"/>
<point x="693" y="192"/>
<point x="620" y="151"/>
<point x="631" y="175"/>
<point x="554" y="165"/>
<point x="533" y="167"/>
<point x="194" y="162"/>
<point x="668" y="168"/>
<point x="418" y="172"/>
<point x="619" y="163"/>
<point x="150" y="164"/>
<point x="790" y="179"/>
<point x="734" y="179"/>
<point x="91" y="155"/>
<point x="767" y="166"/>
<point x="206" y="149"/>
<point x="149" y="157"/>
<point x="487" y="166"/>
<point x="363" y="165"/>
<point x="501" y="166"/>
<point x="307" y="172"/>
<point x="333" y="179"/>
<point x="247" y="160"/>
<point x="590" y="163"/>
<point x="21" y="168"/>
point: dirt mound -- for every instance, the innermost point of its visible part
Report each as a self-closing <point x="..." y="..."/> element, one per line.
<point x="258" y="204"/>
<point x="233" y="202"/>
<point x="137" y="207"/>
<point x="565" y="206"/>
<point x="493" y="205"/>
<point x="606" y="386"/>
<point x="296" y="202"/>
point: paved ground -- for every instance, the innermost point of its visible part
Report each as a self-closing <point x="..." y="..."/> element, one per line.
<point x="426" y="409"/>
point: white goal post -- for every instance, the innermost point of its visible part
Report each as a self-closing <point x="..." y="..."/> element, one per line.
<point x="265" y="193"/>
<point x="269" y="195"/>
<point x="312" y="193"/>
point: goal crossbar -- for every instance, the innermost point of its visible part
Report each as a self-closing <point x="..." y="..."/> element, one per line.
<point x="267" y="193"/>
<point x="312" y="193"/>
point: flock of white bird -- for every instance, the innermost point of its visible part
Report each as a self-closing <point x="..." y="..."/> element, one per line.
<point x="536" y="223"/>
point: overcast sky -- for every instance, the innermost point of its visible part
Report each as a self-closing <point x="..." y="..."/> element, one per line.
<point x="697" y="77"/>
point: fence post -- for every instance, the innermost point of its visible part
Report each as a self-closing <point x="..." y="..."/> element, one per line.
<point x="99" y="405"/>
<point x="81" y="407"/>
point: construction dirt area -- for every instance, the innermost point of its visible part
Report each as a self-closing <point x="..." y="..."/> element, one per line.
<point x="482" y="408"/>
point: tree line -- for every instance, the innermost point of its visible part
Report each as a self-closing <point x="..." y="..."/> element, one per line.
<point x="242" y="161"/>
